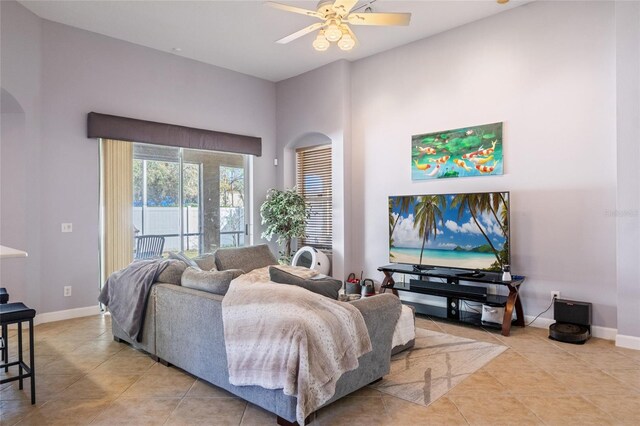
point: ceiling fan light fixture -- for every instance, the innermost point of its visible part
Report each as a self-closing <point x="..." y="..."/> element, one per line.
<point x="333" y="32"/>
<point x="346" y="42"/>
<point x="321" y="43"/>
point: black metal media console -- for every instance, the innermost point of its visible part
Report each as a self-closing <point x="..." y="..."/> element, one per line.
<point x="445" y="283"/>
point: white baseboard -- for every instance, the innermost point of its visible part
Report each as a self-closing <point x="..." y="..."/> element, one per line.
<point x="596" y="331"/>
<point x="629" y="342"/>
<point x="66" y="314"/>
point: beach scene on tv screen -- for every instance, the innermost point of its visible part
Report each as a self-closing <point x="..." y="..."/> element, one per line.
<point x="467" y="231"/>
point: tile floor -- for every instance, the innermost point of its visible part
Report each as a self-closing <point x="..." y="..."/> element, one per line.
<point x="84" y="377"/>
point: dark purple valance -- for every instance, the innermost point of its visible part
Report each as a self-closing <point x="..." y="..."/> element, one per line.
<point x="133" y="130"/>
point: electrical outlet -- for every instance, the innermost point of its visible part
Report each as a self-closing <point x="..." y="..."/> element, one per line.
<point x="67" y="227"/>
<point x="67" y="291"/>
<point x="555" y="294"/>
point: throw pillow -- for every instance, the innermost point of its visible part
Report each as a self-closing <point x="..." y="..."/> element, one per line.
<point x="184" y="258"/>
<point x="216" y="282"/>
<point x="206" y="262"/>
<point x="172" y="274"/>
<point x="327" y="287"/>
<point x="245" y="258"/>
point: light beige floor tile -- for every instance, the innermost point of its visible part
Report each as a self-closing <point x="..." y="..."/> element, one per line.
<point x="130" y="351"/>
<point x="554" y="360"/>
<point x="73" y="364"/>
<point x="125" y="365"/>
<point x="47" y="387"/>
<point x="441" y="412"/>
<point x="134" y="411"/>
<point x="529" y="382"/>
<point x="509" y="360"/>
<point x="202" y="389"/>
<point x="98" y="386"/>
<point x="14" y="410"/>
<point x="631" y="353"/>
<point x="629" y="377"/>
<point x="160" y="386"/>
<point x="592" y="372"/>
<point x="353" y="411"/>
<point x="488" y="410"/>
<point x="99" y="347"/>
<point x="66" y="412"/>
<point x="592" y="345"/>
<point x="482" y="383"/>
<point x="256" y="416"/>
<point x="214" y="411"/>
<point x="624" y="408"/>
<point x="591" y="382"/>
<point x="609" y="360"/>
<point x="568" y="410"/>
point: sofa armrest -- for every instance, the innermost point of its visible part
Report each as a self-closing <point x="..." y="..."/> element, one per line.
<point x="381" y="315"/>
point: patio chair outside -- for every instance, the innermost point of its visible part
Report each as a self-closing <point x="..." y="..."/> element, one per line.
<point x="149" y="247"/>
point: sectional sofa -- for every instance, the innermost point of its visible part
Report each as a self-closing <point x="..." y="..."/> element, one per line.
<point x="183" y="327"/>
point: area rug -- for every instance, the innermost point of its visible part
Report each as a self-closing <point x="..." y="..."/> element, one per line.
<point x="436" y="364"/>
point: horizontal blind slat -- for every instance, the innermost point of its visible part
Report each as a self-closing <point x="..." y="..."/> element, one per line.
<point x="314" y="183"/>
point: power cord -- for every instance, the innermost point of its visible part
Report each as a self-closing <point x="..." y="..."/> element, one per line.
<point x="549" y="307"/>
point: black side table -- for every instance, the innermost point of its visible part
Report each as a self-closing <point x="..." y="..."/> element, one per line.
<point x="17" y="313"/>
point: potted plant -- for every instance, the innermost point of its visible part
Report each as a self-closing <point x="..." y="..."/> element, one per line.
<point x="285" y="214"/>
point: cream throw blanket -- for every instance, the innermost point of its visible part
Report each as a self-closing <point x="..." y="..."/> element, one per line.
<point x="285" y="337"/>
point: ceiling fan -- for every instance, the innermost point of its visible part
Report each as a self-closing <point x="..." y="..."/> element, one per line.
<point x="336" y="15"/>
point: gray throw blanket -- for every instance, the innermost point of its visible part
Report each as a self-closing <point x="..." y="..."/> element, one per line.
<point x="126" y="292"/>
<point x="285" y="337"/>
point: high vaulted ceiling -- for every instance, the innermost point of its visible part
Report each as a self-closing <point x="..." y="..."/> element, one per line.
<point x="240" y="35"/>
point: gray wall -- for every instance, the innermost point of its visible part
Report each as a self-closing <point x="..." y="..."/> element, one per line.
<point x="547" y="70"/>
<point x="628" y="144"/>
<point x="81" y="72"/>
<point x="20" y="78"/>
<point x="312" y="106"/>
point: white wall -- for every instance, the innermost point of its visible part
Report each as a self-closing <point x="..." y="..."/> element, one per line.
<point x="309" y="106"/>
<point x="547" y="70"/>
<point x="83" y="72"/>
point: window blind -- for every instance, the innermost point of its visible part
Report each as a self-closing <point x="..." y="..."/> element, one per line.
<point x="314" y="184"/>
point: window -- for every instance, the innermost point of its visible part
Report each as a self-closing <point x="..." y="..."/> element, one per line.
<point x="314" y="184"/>
<point x="194" y="199"/>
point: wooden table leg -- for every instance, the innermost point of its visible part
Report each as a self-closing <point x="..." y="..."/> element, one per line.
<point x="388" y="283"/>
<point x="512" y="301"/>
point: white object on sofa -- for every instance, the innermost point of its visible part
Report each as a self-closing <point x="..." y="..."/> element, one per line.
<point x="312" y="258"/>
<point x="405" y="328"/>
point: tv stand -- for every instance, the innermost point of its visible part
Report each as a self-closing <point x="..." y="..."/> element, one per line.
<point x="472" y="274"/>
<point x="422" y="268"/>
<point x="445" y="283"/>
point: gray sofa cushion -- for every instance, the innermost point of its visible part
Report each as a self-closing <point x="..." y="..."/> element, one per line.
<point x="173" y="272"/>
<point x="206" y="261"/>
<point x="245" y="258"/>
<point x="216" y="282"/>
<point x="327" y="287"/>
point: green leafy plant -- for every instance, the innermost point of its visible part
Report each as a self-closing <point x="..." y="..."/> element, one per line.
<point x="285" y="213"/>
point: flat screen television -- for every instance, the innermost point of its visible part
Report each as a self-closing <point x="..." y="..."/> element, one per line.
<point x="459" y="231"/>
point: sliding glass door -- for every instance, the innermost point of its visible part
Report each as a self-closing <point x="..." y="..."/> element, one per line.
<point x="194" y="200"/>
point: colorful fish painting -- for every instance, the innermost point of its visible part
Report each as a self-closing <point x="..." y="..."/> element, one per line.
<point x="466" y="152"/>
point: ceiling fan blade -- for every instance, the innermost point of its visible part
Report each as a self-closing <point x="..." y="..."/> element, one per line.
<point x="294" y="9"/>
<point x="379" y="18"/>
<point x="304" y="31"/>
<point x="343" y="7"/>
